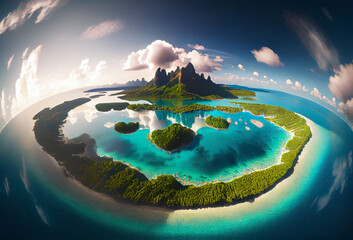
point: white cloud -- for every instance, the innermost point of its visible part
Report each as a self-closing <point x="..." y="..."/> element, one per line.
<point x="109" y="124"/>
<point x="298" y="86"/>
<point x="341" y="85"/>
<point x="26" y="10"/>
<point x="341" y="170"/>
<point x="3" y="105"/>
<point x="218" y="59"/>
<point x="319" y="47"/>
<point x="346" y="108"/>
<point x="29" y="89"/>
<point x="265" y="76"/>
<point x="255" y="74"/>
<point x="162" y="54"/>
<point x="316" y="93"/>
<point x="267" y="56"/>
<point x="196" y="47"/>
<point x="332" y="101"/>
<point x="9" y="62"/>
<point x="289" y="82"/>
<point x="102" y="29"/>
<point x="26" y="83"/>
<point x="241" y="67"/>
<point x="272" y="81"/>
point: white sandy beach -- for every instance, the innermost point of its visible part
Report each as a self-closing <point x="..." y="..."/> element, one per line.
<point x="263" y="203"/>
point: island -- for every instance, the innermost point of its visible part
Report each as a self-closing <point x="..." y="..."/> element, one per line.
<point x="183" y="109"/>
<point x="106" y="107"/>
<point x="217" y="122"/>
<point x="79" y="159"/>
<point x="249" y="99"/>
<point x="171" y="138"/>
<point x="126" y="128"/>
<point x="183" y="83"/>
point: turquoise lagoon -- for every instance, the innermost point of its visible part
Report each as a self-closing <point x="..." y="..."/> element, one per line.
<point x="214" y="155"/>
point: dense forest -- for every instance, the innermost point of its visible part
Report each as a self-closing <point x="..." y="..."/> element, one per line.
<point x="173" y="137"/>
<point x="125" y="128"/>
<point x="217" y="122"/>
<point x="183" y="109"/>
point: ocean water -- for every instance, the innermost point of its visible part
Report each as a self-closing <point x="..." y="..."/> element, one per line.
<point x="38" y="201"/>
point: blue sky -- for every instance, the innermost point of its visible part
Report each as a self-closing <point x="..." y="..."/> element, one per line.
<point x="74" y="43"/>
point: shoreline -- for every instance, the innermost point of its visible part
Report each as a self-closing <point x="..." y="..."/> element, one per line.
<point x="268" y="199"/>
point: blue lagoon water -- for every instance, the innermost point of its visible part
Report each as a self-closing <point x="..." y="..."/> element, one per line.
<point x="214" y="154"/>
<point x="37" y="199"/>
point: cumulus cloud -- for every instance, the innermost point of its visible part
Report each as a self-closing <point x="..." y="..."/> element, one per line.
<point x="341" y="85"/>
<point x="272" y="81"/>
<point x="314" y="40"/>
<point x="298" y="86"/>
<point x="162" y="54"/>
<point x="218" y="59"/>
<point x="9" y="62"/>
<point x="241" y="67"/>
<point x="26" y="83"/>
<point x="267" y="56"/>
<point x="196" y="47"/>
<point x="346" y="108"/>
<point x="265" y="76"/>
<point x="26" y="10"/>
<point x="102" y="29"/>
<point x="29" y="89"/>
<point x="332" y="101"/>
<point x="255" y="74"/>
<point x="3" y="105"/>
<point x="316" y="93"/>
<point x="289" y="82"/>
<point x="341" y="170"/>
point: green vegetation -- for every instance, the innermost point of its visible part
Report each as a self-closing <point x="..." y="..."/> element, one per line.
<point x="217" y="122"/>
<point x="183" y="83"/>
<point x="125" y="128"/>
<point x="249" y="99"/>
<point x="119" y="180"/>
<point x="106" y="107"/>
<point x="183" y="109"/>
<point x="229" y="109"/>
<point x="242" y="92"/>
<point x="173" y="137"/>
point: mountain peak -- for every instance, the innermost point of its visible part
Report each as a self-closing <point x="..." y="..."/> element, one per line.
<point x="190" y="67"/>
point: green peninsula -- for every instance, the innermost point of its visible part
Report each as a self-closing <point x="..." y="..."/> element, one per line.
<point x="126" y="128"/>
<point x="173" y="137"/>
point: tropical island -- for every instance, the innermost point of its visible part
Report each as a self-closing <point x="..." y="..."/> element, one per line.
<point x="126" y="128"/>
<point x="171" y="138"/>
<point x="121" y="181"/>
<point x="183" y="83"/>
<point x="217" y="122"/>
<point x="183" y="109"/>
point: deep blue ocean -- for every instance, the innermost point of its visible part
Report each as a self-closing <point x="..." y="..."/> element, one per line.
<point x="38" y="201"/>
